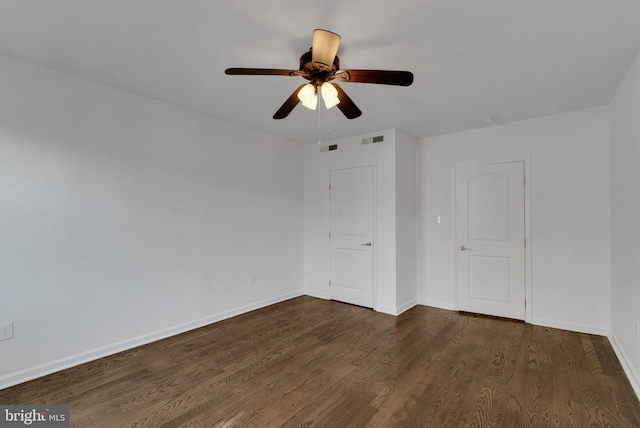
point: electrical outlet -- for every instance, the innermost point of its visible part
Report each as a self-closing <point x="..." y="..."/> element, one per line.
<point x="6" y="331"/>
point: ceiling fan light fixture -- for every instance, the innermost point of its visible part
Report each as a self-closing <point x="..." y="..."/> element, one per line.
<point x="308" y="97"/>
<point x="320" y="65"/>
<point x="329" y="95"/>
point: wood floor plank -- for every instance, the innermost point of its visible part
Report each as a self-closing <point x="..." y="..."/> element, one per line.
<point x="311" y="362"/>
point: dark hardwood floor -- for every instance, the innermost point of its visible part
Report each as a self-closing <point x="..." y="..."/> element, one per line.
<point x="311" y="362"/>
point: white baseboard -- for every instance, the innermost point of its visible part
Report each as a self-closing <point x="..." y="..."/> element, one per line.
<point x="389" y="310"/>
<point x="633" y="377"/>
<point x="579" y="328"/>
<point x="383" y="309"/>
<point x="324" y="296"/>
<point x="437" y="304"/>
<point x="406" y="306"/>
<point x="94" y="354"/>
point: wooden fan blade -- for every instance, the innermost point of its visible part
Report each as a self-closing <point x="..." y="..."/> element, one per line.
<point x="346" y="105"/>
<point x="381" y="77"/>
<point x="262" y="72"/>
<point x="324" y="47"/>
<point x="288" y="105"/>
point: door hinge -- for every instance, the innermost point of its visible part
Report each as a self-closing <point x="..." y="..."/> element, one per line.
<point x="329" y="186"/>
<point x="329" y="235"/>
<point x="525" y="302"/>
<point x="329" y="283"/>
<point x="525" y="240"/>
<point x="524" y="180"/>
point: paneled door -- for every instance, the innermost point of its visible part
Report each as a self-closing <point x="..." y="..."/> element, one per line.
<point x="490" y="239"/>
<point x="351" y="235"/>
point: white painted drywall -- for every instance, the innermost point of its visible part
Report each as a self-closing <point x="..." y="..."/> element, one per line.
<point x="569" y="213"/>
<point x="394" y="234"/>
<point x="625" y="221"/>
<point x="406" y="285"/>
<point x="317" y="167"/>
<point x="123" y="219"/>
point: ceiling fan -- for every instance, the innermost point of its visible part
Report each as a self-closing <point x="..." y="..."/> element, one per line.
<point x="319" y="66"/>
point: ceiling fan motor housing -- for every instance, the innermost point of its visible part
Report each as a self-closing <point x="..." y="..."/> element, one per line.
<point x="318" y="72"/>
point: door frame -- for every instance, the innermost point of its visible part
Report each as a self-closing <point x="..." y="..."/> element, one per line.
<point x="528" y="292"/>
<point x="350" y="165"/>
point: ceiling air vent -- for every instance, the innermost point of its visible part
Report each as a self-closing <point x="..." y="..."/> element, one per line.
<point x="329" y="148"/>
<point x="373" y="140"/>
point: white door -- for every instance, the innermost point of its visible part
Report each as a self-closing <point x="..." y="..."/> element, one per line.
<point x="490" y="234"/>
<point x="352" y="207"/>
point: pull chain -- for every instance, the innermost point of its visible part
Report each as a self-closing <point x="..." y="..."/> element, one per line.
<point x="319" y="135"/>
<point x="327" y="131"/>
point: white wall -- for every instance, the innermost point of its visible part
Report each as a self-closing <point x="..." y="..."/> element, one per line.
<point x="625" y="221"/>
<point x="569" y="218"/>
<point x="406" y="283"/>
<point x="317" y="168"/>
<point x="394" y="234"/>
<point x="124" y="220"/>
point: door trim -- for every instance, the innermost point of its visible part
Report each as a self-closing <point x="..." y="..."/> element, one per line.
<point x="528" y="292"/>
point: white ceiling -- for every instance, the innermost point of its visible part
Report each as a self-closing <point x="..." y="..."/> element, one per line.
<point x="512" y="59"/>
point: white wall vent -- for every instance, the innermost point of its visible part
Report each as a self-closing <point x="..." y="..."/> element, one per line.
<point x="373" y="140"/>
<point x="329" y="148"/>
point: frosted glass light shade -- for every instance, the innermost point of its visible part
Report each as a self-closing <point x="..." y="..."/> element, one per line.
<point x="329" y="95"/>
<point x="307" y="95"/>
